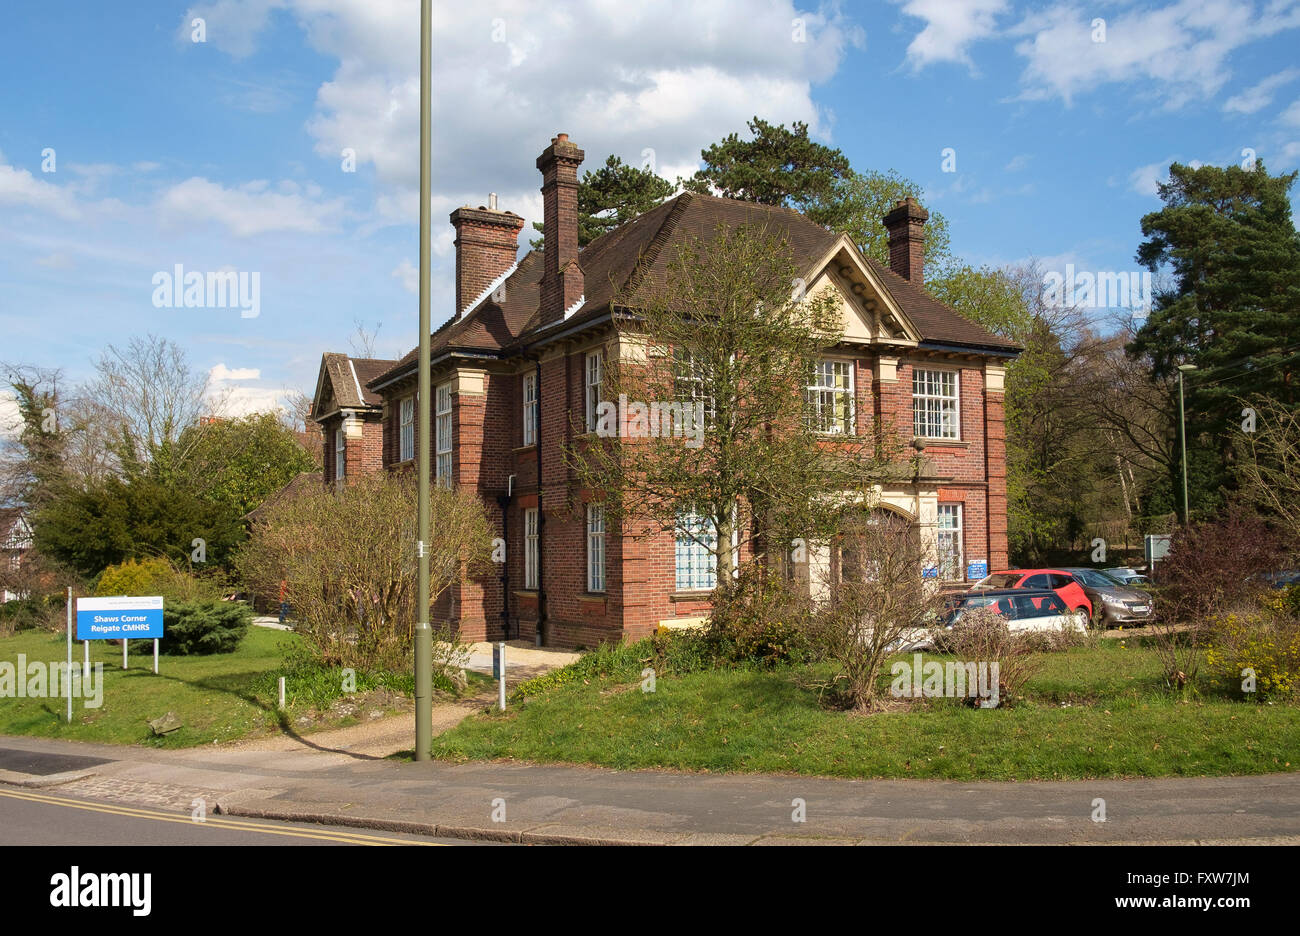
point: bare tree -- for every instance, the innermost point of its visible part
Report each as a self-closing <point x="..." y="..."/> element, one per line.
<point x="877" y="603"/>
<point x="151" y="394"/>
<point x="1270" y="472"/>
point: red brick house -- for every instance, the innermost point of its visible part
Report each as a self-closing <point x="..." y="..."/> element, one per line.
<point x="349" y="415"/>
<point x="526" y="348"/>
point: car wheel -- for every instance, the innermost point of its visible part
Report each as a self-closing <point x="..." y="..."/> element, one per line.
<point x="1081" y="619"/>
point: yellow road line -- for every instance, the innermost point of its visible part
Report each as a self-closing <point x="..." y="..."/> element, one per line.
<point x="219" y="822"/>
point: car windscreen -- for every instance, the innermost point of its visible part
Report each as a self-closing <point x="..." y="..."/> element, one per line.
<point x="999" y="580"/>
<point x="1095" y="579"/>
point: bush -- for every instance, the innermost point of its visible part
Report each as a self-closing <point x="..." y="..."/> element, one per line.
<point x="1266" y="641"/>
<point x="984" y="637"/>
<point x="757" y="618"/>
<point x="33" y="613"/>
<point x="156" y="576"/>
<point x="200" y="627"/>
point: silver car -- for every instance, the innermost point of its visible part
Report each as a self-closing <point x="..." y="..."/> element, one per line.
<point x="1113" y="603"/>
<point x="1126" y="576"/>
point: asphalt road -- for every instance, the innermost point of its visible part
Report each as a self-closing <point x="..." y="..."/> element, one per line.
<point x="37" y="817"/>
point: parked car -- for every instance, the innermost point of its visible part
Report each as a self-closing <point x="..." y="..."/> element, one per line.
<point x="1284" y="579"/>
<point x="1113" y="602"/>
<point x="1024" y="609"/>
<point x="1058" y="580"/>
<point x="1126" y="576"/>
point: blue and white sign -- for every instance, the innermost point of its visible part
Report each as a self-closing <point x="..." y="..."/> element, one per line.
<point x="118" y="617"/>
<point x="977" y="569"/>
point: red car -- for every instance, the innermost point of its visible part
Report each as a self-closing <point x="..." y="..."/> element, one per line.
<point x="1058" y="580"/>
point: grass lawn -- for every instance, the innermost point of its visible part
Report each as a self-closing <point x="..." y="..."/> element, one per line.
<point x="1089" y="712"/>
<point x="218" y="698"/>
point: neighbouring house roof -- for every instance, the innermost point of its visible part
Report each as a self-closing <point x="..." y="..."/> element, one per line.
<point x="346" y="379"/>
<point x="633" y="259"/>
<point x="300" y="483"/>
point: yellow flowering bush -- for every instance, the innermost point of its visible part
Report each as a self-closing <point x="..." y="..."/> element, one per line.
<point x="1266" y="642"/>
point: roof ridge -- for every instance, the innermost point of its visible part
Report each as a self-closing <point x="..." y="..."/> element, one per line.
<point x="647" y="258"/>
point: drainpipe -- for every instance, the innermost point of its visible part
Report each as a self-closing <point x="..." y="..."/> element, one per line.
<point x="541" y="515"/>
<point x="504" y="504"/>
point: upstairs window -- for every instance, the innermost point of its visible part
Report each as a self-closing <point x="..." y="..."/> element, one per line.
<point x="830" y="398"/>
<point x="443" y="432"/>
<point x="407" y="434"/>
<point x="935" y="407"/>
<point x="530" y="409"/>
<point x="595" y="378"/>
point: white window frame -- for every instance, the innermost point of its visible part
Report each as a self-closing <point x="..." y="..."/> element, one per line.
<point x="529" y="393"/>
<point x="532" y="551"/>
<point x="695" y="557"/>
<point x="691" y="385"/>
<point x="595" y="548"/>
<point x="443" y="433"/>
<point x="922" y="403"/>
<point x="593" y="381"/>
<point x="951" y="557"/>
<point x="340" y="454"/>
<point x="406" y="432"/>
<point x="824" y="394"/>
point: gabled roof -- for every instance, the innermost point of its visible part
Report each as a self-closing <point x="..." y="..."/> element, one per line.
<point x="348" y="378"/>
<point x="302" y="482"/>
<point x="633" y="259"/>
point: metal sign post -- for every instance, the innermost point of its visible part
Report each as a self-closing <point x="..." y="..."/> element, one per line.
<point x="68" y="673"/>
<point x="499" y="672"/>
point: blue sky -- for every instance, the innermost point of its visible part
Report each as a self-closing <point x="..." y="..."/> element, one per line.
<point x="227" y="153"/>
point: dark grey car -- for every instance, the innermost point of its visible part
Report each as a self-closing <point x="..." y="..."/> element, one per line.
<point x="1113" y="603"/>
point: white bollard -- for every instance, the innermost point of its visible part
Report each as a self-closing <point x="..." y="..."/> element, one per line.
<point x="501" y="691"/>
<point x="282" y="693"/>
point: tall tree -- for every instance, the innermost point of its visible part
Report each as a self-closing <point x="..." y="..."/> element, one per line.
<point x="611" y="196"/>
<point x="1227" y="237"/>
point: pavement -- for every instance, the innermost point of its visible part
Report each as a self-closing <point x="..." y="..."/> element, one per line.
<point x="535" y="804"/>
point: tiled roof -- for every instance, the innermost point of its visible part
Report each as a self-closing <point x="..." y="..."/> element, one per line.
<point x="349" y="377"/>
<point x="632" y="259"/>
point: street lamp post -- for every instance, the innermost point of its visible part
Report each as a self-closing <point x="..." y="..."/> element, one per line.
<point x="1182" y="434"/>
<point x="423" y="631"/>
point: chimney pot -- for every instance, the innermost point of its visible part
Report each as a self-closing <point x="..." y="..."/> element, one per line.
<point x="492" y="201"/>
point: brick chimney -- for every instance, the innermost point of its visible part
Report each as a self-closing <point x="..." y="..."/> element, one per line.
<point x="487" y="241"/>
<point x="906" y="227"/>
<point x="562" y="282"/>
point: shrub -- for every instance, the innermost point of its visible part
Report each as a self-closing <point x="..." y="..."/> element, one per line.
<point x="200" y="627"/>
<point x="984" y="637"/>
<point x="1265" y="642"/>
<point x="32" y="613"/>
<point x="757" y="618"/>
<point x="156" y="576"/>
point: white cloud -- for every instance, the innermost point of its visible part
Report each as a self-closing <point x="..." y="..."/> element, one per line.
<point x="1018" y="162"/>
<point x="55" y="261"/>
<point x="251" y="208"/>
<point x="409" y="275"/>
<point x="618" y="77"/>
<point x="1144" y="179"/>
<point x="11" y="418"/>
<point x="1259" y="96"/>
<point x="20" y="187"/>
<point x="1291" y="116"/>
<point x="950" y="28"/>
<point x="221" y="373"/>
<point x="1179" y="51"/>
